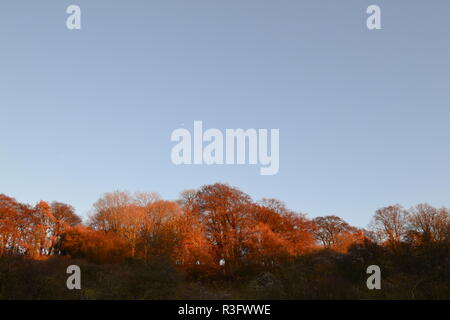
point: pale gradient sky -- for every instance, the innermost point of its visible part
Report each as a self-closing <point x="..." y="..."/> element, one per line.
<point x="363" y="115"/>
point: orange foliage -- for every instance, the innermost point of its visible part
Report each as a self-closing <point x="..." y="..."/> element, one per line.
<point x="33" y="231"/>
<point x="217" y="229"/>
<point x="96" y="246"/>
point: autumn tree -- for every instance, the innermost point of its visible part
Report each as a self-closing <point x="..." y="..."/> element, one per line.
<point x="224" y="212"/>
<point x="429" y="224"/>
<point x="117" y="213"/>
<point x="332" y="232"/>
<point x="295" y="227"/>
<point x="390" y="224"/>
<point x="64" y="217"/>
<point x="241" y="231"/>
<point x="14" y="226"/>
<point x="108" y="209"/>
<point x="162" y="230"/>
<point x="196" y="252"/>
<point x="277" y="233"/>
<point x="94" y="245"/>
<point x="33" y="231"/>
<point x="143" y="221"/>
<point x="41" y="224"/>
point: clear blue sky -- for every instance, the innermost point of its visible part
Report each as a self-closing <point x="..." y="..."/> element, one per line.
<point x="363" y="115"/>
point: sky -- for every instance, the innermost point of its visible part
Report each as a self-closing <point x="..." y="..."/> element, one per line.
<point x="363" y="115"/>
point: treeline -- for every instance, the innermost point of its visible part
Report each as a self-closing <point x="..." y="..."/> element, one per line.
<point x="216" y="242"/>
